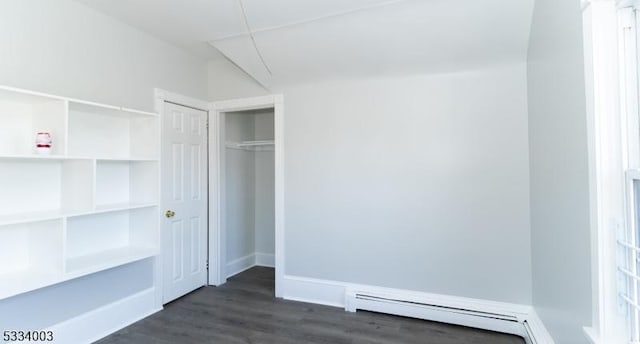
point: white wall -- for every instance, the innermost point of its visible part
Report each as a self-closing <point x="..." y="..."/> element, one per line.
<point x="64" y="48"/>
<point x="265" y="186"/>
<point x="416" y="182"/>
<point x="227" y="81"/>
<point x="559" y="170"/>
<point x="240" y="196"/>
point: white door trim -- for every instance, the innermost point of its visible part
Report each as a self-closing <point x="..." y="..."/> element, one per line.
<point x="217" y="236"/>
<point x="160" y="97"/>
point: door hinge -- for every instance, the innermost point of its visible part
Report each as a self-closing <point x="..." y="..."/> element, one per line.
<point x="207" y="265"/>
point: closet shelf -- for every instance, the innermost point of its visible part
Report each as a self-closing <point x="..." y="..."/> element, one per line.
<point x="251" y="145"/>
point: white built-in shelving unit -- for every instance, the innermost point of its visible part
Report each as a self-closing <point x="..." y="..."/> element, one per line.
<point x="93" y="204"/>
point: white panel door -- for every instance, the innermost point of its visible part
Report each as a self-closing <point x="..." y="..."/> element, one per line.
<point x="184" y="200"/>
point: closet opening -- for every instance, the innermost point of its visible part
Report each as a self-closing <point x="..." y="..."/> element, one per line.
<point x="248" y="195"/>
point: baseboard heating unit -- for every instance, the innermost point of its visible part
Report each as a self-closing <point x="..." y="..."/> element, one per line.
<point x="487" y="316"/>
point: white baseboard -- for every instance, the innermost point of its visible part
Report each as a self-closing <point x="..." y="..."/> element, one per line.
<point x="537" y="330"/>
<point x="266" y="259"/>
<point x="313" y="290"/>
<point x="99" y="323"/>
<point x="490" y="315"/>
<point x="239" y="265"/>
<point x="592" y="335"/>
<point x="247" y="262"/>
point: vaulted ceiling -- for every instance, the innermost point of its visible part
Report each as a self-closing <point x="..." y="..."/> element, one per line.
<point x="288" y="41"/>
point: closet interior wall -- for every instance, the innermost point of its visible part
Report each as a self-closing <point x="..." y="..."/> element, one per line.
<point x="250" y="190"/>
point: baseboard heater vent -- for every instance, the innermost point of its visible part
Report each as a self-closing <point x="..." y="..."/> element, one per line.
<point x="458" y="313"/>
<point x="437" y="307"/>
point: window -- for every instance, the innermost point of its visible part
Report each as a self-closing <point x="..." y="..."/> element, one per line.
<point x="628" y="236"/>
<point x="629" y="256"/>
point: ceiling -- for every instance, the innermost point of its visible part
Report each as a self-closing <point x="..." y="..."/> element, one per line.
<point x="289" y="41"/>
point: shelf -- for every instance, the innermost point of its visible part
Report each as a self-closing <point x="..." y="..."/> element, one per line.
<point x="87" y="236"/>
<point x="112" y="133"/>
<point x="18" y="157"/>
<point x="22" y="115"/>
<point x="26" y="280"/>
<point x="38" y="187"/>
<point x="47" y="215"/>
<point x="121" y="181"/>
<point x="106" y="110"/>
<point x="12" y="94"/>
<point x="110" y="208"/>
<point x="255" y="143"/>
<point x="107" y="259"/>
<point x="37" y="157"/>
<point x="31" y="255"/>
<point x="258" y="145"/>
<point x="36" y="216"/>
<point x="106" y="208"/>
<point x="15" y="283"/>
<point x="16" y="95"/>
<point x="128" y="159"/>
<point x="91" y="205"/>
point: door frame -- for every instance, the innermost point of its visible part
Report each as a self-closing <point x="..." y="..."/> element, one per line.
<point x="217" y="229"/>
<point x="160" y="98"/>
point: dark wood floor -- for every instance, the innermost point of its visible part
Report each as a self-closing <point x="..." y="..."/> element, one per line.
<point x="245" y="311"/>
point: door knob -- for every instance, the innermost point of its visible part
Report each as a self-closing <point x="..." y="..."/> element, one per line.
<point x="169" y="213"/>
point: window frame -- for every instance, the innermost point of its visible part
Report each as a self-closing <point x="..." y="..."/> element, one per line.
<point x="609" y="160"/>
<point x="629" y="238"/>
